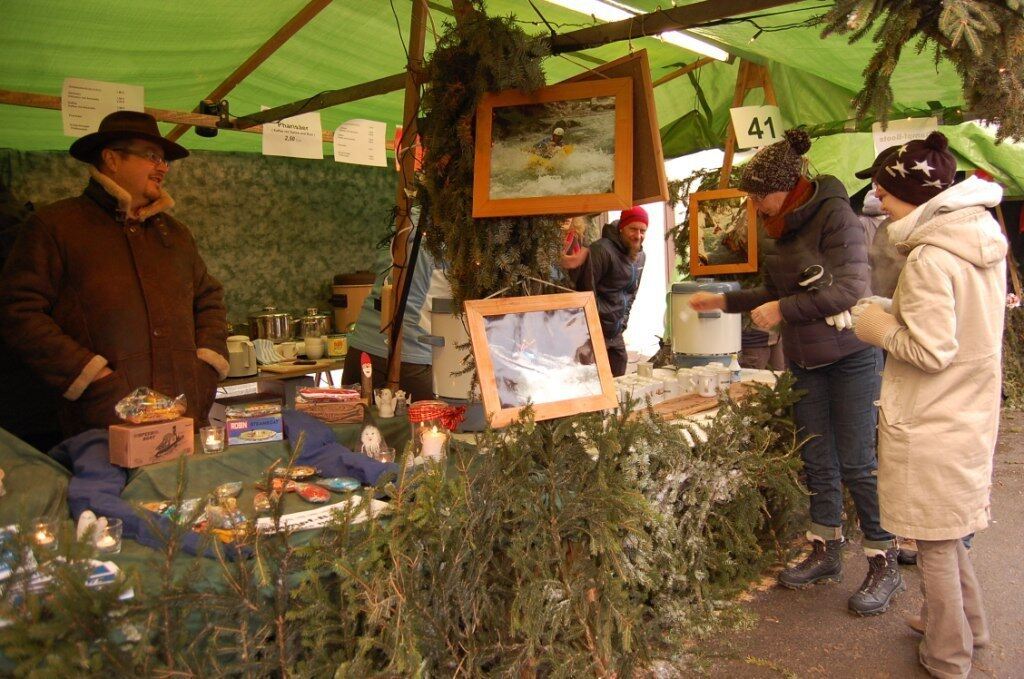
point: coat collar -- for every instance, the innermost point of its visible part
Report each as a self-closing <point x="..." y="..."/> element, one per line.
<point x="110" y="196"/>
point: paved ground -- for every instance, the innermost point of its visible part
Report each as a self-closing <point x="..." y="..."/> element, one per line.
<point x="810" y="634"/>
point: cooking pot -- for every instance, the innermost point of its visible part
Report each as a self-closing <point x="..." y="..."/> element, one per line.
<point x="271" y="325"/>
<point x="314" y="324"/>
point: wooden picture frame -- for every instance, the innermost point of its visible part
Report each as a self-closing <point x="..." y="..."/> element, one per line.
<point x="521" y="169"/>
<point x="544" y="350"/>
<point x="650" y="184"/>
<point x="729" y="243"/>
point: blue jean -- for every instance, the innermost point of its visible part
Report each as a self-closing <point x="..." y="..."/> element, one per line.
<point x="838" y="412"/>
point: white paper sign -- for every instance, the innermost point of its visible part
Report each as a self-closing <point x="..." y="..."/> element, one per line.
<point x="900" y="132"/>
<point x="361" y="142"/>
<point x="300" y="136"/>
<point x="84" y="103"/>
<point x="756" y="125"/>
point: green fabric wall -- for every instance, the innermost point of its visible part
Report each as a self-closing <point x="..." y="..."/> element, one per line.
<point x="272" y="230"/>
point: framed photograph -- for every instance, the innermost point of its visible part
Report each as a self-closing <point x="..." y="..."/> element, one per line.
<point x="649" y="182"/>
<point x="544" y="350"/>
<point x="564" y="149"/>
<point x="723" y="232"/>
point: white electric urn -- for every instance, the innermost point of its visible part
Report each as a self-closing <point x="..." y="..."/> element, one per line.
<point x="449" y="341"/>
<point x="701" y="337"/>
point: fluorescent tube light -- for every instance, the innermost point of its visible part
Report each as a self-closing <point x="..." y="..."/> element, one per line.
<point x="617" y="11"/>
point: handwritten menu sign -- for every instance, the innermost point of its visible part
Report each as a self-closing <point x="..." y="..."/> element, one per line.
<point x="84" y="103"/>
<point x="300" y="136"/>
<point x="361" y="142"/>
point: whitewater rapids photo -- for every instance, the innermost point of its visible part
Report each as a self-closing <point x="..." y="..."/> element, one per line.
<point x="554" y="149"/>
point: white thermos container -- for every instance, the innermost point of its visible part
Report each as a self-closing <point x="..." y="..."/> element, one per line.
<point x="705" y="336"/>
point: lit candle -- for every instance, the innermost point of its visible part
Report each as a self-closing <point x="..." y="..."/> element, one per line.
<point x="432" y="441"/>
<point x="44" y="538"/>
<point x="105" y="542"/>
<point x="212" y="439"/>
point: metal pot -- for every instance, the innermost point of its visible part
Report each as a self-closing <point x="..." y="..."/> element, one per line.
<point x="271" y="325"/>
<point x="314" y="324"/>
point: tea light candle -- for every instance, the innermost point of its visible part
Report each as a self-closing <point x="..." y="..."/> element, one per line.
<point x="105" y="542"/>
<point x="45" y="536"/>
<point x="108" y="540"/>
<point x="212" y="439"/>
<point x="432" y="442"/>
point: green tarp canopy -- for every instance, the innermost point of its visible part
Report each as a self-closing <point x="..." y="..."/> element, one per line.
<point x="180" y="51"/>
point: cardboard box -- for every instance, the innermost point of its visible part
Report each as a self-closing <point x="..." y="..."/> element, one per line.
<point x="254" y="423"/>
<point x="137" y="445"/>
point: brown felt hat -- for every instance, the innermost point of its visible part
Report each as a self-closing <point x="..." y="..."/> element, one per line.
<point x="124" y="125"/>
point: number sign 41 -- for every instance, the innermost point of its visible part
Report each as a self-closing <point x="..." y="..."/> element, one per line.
<point x="756" y="125"/>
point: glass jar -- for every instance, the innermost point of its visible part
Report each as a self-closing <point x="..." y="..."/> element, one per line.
<point x="428" y="421"/>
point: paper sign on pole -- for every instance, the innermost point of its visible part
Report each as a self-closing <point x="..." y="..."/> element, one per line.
<point x="84" y="103"/>
<point x="756" y="125"/>
<point x="300" y="136"/>
<point x="361" y="142"/>
<point x="899" y="132"/>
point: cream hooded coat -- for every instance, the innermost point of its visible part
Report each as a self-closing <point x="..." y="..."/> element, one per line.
<point x="940" y="398"/>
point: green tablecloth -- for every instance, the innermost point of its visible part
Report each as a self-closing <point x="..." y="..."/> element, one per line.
<point x="35" y="486"/>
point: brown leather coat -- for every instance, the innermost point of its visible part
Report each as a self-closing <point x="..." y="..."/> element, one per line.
<point x="83" y="289"/>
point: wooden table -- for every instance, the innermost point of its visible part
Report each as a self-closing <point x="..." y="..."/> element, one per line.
<point x="292" y="379"/>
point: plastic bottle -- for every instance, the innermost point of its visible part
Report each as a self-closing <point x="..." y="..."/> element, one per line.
<point x="734" y="368"/>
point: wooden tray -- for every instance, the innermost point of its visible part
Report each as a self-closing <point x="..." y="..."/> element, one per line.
<point x="289" y="367"/>
<point x="690" y="404"/>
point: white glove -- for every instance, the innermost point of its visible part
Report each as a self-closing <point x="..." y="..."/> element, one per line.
<point x="884" y="302"/>
<point x="841" y="321"/>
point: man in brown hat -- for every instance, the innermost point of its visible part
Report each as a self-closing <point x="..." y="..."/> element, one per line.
<point x="104" y="292"/>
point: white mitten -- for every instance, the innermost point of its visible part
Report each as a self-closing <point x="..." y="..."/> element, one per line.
<point x="884" y="302"/>
<point x="841" y="321"/>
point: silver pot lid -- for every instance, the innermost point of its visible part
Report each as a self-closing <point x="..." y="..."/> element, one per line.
<point x="269" y="312"/>
<point x="312" y="315"/>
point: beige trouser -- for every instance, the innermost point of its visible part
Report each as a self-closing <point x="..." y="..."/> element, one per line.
<point x="953" y="613"/>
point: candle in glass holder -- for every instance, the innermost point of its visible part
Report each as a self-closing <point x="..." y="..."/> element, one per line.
<point x="108" y="540"/>
<point x="212" y="439"/>
<point x="432" y="441"/>
<point x="45" y="535"/>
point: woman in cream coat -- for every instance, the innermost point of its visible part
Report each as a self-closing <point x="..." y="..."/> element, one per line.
<point x="941" y="388"/>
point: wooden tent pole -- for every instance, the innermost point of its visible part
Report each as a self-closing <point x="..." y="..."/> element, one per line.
<point x="750" y="76"/>
<point x="1011" y="260"/>
<point x="682" y="71"/>
<point x="304" y="16"/>
<point x="402" y="262"/>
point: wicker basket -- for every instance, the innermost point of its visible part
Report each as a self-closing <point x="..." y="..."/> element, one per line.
<point x="336" y="413"/>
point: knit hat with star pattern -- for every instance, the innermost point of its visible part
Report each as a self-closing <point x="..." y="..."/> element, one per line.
<point x="919" y="170"/>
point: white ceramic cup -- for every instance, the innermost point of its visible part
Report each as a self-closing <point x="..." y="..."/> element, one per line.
<point x="314" y="347"/>
<point x="645" y="369"/>
<point x="707" y="382"/>
<point x="287" y="350"/>
<point x="685" y="379"/>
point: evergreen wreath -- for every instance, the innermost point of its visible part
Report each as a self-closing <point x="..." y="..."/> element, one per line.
<point x="983" y="39"/>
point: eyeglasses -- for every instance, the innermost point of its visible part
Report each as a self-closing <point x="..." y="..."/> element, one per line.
<point x="152" y="157"/>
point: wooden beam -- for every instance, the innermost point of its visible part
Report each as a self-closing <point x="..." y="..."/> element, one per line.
<point x="658" y="22"/>
<point x="162" y="115"/>
<point x="402" y="259"/>
<point x="750" y="76"/>
<point x="304" y="16"/>
<point x="683" y="71"/>
<point x="324" y="100"/>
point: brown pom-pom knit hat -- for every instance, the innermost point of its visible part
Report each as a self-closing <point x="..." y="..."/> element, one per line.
<point x="776" y="167"/>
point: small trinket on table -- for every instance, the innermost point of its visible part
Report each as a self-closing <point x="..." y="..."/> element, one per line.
<point x="372" y="444"/>
<point x="311" y="492"/>
<point x="366" y="381"/>
<point x="261" y="503"/>
<point x="340" y="484"/>
<point x="226" y="490"/>
<point x="298" y="472"/>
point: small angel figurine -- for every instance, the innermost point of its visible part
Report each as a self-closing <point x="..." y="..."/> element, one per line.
<point x="401" y="402"/>
<point x="386" y="402"/>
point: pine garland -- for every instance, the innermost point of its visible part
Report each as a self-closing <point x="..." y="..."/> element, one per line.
<point x="983" y="39"/>
<point x="478" y="55"/>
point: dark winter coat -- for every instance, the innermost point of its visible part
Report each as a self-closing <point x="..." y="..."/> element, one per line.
<point x="81" y="290"/>
<point x="614" y="278"/>
<point x="824" y="231"/>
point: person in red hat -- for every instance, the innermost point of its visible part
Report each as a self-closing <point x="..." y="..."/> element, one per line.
<point x="612" y="271"/>
<point x="105" y="292"/>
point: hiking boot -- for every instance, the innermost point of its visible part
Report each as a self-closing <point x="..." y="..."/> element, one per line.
<point x="882" y="583"/>
<point x="823" y="564"/>
<point x="907" y="552"/>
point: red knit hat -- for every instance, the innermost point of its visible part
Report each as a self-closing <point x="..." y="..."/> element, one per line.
<point x="633" y="214"/>
<point x="919" y="170"/>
